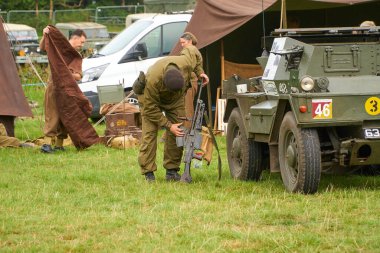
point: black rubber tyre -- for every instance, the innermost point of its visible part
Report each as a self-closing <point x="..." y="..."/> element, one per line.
<point x="95" y="120"/>
<point x="299" y="156"/>
<point x="244" y="155"/>
<point x="255" y="162"/>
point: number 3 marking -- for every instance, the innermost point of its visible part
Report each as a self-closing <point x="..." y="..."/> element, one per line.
<point x="372" y="106"/>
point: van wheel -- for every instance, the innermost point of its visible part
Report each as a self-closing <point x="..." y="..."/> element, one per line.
<point x="126" y="93"/>
<point x="244" y="155"/>
<point x="95" y="120"/>
<point x="299" y="156"/>
<point x="133" y="99"/>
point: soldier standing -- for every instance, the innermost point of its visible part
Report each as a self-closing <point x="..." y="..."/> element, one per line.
<point x="188" y="43"/>
<point x="162" y="105"/>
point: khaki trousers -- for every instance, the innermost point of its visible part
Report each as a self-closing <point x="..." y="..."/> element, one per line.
<point x="148" y="146"/>
<point x="53" y="125"/>
<point x="6" y="141"/>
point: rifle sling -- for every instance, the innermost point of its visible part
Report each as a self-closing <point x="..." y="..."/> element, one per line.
<point x="215" y="145"/>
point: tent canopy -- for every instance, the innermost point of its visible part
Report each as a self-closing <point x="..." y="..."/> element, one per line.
<point x="223" y="17"/>
<point x="12" y="98"/>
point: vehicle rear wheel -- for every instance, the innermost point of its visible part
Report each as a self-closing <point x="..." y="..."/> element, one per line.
<point x="299" y="156"/>
<point x="244" y="155"/>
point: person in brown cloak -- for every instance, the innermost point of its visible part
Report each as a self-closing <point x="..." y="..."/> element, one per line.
<point x="66" y="108"/>
<point x="13" y="102"/>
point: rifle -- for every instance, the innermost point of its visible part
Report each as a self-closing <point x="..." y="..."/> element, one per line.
<point x="193" y="137"/>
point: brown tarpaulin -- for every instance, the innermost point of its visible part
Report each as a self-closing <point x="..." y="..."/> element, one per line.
<point x="74" y="107"/>
<point x="213" y="19"/>
<point x="243" y="70"/>
<point x="12" y="98"/>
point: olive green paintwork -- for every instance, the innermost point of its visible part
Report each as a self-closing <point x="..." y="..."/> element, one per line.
<point x="345" y="99"/>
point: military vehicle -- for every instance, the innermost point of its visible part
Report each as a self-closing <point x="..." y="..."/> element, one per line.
<point x="97" y="35"/>
<point x="315" y="109"/>
<point x="24" y="43"/>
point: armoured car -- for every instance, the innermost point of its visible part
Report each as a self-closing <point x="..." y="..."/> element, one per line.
<point x="97" y="34"/>
<point x="315" y="109"/>
<point x="24" y="43"/>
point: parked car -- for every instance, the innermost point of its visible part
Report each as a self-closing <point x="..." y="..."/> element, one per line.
<point x="24" y="43"/>
<point x="133" y="50"/>
<point x="97" y="34"/>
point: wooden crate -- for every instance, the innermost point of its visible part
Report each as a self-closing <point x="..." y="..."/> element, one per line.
<point x="119" y="124"/>
<point x="134" y="131"/>
<point x="122" y="120"/>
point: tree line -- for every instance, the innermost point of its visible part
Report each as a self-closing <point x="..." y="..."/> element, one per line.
<point x="62" y="4"/>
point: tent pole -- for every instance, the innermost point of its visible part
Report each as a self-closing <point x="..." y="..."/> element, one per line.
<point x="222" y="60"/>
<point x="222" y="77"/>
<point x="283" y="21"/>
<point x="209" y="102"/>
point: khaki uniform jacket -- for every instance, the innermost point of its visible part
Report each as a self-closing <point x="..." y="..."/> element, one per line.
<point x="196" y="56"/>
<point x="157" y="97"/>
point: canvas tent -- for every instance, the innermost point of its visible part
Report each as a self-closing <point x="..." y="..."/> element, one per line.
<point x="230" y="32"/>
<point x="214" y="19"/>
<point x="12" y="99"/>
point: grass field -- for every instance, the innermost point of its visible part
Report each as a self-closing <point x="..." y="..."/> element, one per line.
<point x="96" y="201"/>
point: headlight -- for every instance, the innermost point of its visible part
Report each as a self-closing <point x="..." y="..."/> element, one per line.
<point x="323" y="83"/>
<point x="93" y="73"/>
<point x="307" y="83"/>
<point x="22" y="52"/>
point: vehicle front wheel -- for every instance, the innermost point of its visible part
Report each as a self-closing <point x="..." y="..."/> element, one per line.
<point x="244" y="155"/>
<point x="299" y="156"/>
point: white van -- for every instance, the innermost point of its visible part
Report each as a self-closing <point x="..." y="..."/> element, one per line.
<point x="133" y="50"/>
<point x="131" y="18"/>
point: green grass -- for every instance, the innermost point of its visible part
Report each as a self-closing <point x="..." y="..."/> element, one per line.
<point x="96" y="201"/>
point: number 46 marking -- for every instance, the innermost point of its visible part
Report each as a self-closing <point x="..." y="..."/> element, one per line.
<point x="322" y="108"/>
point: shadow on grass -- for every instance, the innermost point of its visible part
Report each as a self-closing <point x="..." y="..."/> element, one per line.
<point x="349" y="181"/>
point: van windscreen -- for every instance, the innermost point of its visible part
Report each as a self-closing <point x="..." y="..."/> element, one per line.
<point x="125" y="37"/>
